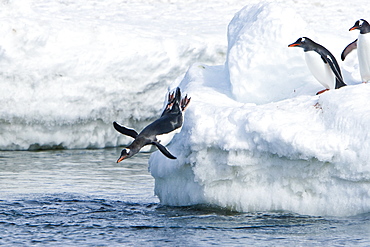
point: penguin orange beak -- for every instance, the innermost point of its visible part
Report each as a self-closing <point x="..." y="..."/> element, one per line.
<point x="121" y="158"/>
<point x="292" y="45"/>
<point x="353" y="28"/>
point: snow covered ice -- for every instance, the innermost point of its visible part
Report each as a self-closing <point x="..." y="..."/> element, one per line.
<point x="255" y="136"/>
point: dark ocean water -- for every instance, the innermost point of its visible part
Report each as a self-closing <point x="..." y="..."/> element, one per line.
<point x="83" y="198"/>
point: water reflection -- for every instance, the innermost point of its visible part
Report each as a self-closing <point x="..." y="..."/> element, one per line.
<point x="76" y="171"/>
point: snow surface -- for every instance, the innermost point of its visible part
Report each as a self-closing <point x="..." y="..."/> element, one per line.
<point x="255" y="135"/>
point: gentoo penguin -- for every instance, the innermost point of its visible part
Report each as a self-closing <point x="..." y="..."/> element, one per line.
<point x="321" y="63"/>
<point x="363" y="48"/>
<point x="170" y="120"/>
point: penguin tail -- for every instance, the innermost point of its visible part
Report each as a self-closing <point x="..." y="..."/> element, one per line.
<point x="177" y="95"/>
<point x="339" y="84"/>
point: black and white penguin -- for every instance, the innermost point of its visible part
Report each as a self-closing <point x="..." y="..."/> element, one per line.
<point x="170" y="120"/>
<point x="362" y="44"/>
<point x="322" y="64"/>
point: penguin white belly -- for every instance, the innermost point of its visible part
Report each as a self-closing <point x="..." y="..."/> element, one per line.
<point x="320" y="70"/>
<point x="167" y="138"/>
<point x="164" y="139"/>
<point x="363" y="51"/>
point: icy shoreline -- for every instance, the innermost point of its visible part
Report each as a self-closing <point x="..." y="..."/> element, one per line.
<point x="255" y="136"/>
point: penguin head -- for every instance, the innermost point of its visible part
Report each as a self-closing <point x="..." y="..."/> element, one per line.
<point x="125" y="153"/>
<point x="305" y="43"/>
<point x="362" y="25"/>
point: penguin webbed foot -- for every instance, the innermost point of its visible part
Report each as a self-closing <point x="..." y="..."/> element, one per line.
<point x="170" y="102"/>
<point x="322" y="91"/>
<point x="171" y="97"/>
<point x="185" y="102"/>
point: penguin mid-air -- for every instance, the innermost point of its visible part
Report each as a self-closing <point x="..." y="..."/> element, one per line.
<point x="362" y="44"/>
<point x="322" y="64"/>
<point x="170" y="120"/>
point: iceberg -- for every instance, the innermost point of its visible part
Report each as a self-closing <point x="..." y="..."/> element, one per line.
<point x="257" y="138"/>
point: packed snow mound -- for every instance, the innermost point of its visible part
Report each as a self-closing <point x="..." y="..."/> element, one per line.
<point x="253" y="152"/>
<point x="260" y="66"/>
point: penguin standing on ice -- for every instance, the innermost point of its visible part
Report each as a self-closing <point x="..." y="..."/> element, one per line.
<point x="322" y="64"/>
<point x="362" y="44"/>
<point x="170" y="120"/>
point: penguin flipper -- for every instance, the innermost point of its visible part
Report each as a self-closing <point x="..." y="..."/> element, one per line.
<point x="332" y="62"/>
<point x="348" y="49"/>
<point x="125" y="131"/>
<point x="336" y="70"/>
<point x="164" y="150"/>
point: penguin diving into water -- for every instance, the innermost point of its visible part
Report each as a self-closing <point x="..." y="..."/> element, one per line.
<point x="322" y="64"/>
<point x="362" y="44"/>
<point x="170" y="120"/>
